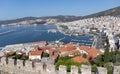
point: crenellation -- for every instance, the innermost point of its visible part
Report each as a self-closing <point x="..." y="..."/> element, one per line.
<point x="3" y="61"/>
<point x="62" y="69"/>
<point x="74" y="70"/>
<point x="28" y="66"/>
<point x="50" y="69"/>
<point x="101" y="70"/>
<point x="11" y="63"/>
<point x="37" y="68"/>
<point x="19" y="67"/>
<point x="85" y="69"/>
<point x="116" y="70"/>
<point x="20" y="64"/>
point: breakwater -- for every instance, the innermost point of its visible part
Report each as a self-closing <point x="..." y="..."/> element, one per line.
<point x="6" y="32"/>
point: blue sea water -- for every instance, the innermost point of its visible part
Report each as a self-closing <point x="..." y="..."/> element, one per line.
<point x="25" y="34"/>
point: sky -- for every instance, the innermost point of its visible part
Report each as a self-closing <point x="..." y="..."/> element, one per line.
<point x="12" y="9"/>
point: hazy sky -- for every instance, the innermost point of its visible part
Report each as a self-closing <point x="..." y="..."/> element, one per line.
<point x="11" y="9"/>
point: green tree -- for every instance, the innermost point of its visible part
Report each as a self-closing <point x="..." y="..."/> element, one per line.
<point x="98" y="60"/>
<point x="67" y="62"/>
<point x="94" y="68"/>
<point x="45" y="55"/>
<point x="107" y="55"/>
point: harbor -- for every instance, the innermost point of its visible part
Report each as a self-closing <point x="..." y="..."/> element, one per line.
<point x="39" y="33"/>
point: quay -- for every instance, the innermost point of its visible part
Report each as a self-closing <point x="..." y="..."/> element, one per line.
<point x="74" y="40"/>
<point x="50" y="30"/>
<point x="10" y="31"/>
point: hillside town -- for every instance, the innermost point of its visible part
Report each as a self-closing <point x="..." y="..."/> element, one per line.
<point x="60" y="37"/>
<point x="105" y="30"/>
<point x="102" y="26"/>
<point x="106" y="24"/>
<point x="42" y="51"/>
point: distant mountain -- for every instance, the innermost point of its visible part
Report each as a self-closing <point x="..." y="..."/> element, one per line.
<point x="112" y="12"/>
<point x="61" y="18"/>
<point x="17" y="20"/>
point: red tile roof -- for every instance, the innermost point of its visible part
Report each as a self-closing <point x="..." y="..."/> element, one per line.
<point x="49" y="47"/>
<point x="79" y="59"/>
<point x="36" y="52"/>
<point x="67" y="47"/>
<point x="74" y="51"/>
<point x="92" y="52"/>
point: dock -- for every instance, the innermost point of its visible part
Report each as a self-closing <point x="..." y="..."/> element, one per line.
<point x="6" y="32"/>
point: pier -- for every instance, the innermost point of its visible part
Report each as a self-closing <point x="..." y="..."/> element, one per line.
<point x="74" y="40"/>
<point x="57" y="41"/>
<point x="50" y="30"/>
<point x="10" y="31"/>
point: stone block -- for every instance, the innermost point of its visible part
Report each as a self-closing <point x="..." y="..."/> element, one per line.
<point x="116" y="70"/>
<point x="50" y="69"/>
<point x="39" y="67"/>
<point x="62" y="69"/>
<point x="20" y="64"/>
<point x="11" y="63"/>
<point x="28" y="66"/>
<point x="3" y="61"/>
<point x="101" y="70"/>
<point x="85" y="69"/>
<point x="74" y="70"/>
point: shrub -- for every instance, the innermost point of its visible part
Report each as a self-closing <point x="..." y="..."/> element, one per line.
<point x="67" y="62"/>
<point x="45" y="55"/>
<point x="94" y="68"/>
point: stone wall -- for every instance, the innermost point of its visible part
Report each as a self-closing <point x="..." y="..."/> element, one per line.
<point x="11" y="66"/>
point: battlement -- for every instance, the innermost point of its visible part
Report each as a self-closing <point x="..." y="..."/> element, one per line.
<point x="13" y="66"/>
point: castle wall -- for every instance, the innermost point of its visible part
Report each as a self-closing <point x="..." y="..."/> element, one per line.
<point x="11" y="66"/>
<point x="85" y="69"/>
<point x="102" y="70"/>
<point x="116" y="70"/>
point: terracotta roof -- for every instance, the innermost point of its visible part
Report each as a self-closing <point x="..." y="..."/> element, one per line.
<point x="67" y="47"/>
<point x="92" y="52"/>
<point x="74" y="51"/>
<point x="35" y="52"/>
<point x="86" y="48"/>
<point x="48" y="47"/>
<point x="79" y="59"/>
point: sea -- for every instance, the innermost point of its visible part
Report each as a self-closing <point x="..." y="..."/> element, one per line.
<point x="25" y="34"/>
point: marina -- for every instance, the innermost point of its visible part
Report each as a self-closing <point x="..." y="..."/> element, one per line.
<point x="25" y="34"/>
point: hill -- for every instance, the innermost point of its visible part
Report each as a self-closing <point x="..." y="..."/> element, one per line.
<point x="110" y="12"/>
<point x="59" y="18"/>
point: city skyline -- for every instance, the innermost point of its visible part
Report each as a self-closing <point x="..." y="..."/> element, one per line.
<point x="16" y="9"/>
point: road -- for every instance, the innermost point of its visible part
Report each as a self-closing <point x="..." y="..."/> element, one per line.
<point x="98" y="42"/>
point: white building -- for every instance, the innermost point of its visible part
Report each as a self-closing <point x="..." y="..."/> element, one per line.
<point x="111" y="41"/>
<point x="35" y="55"/>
